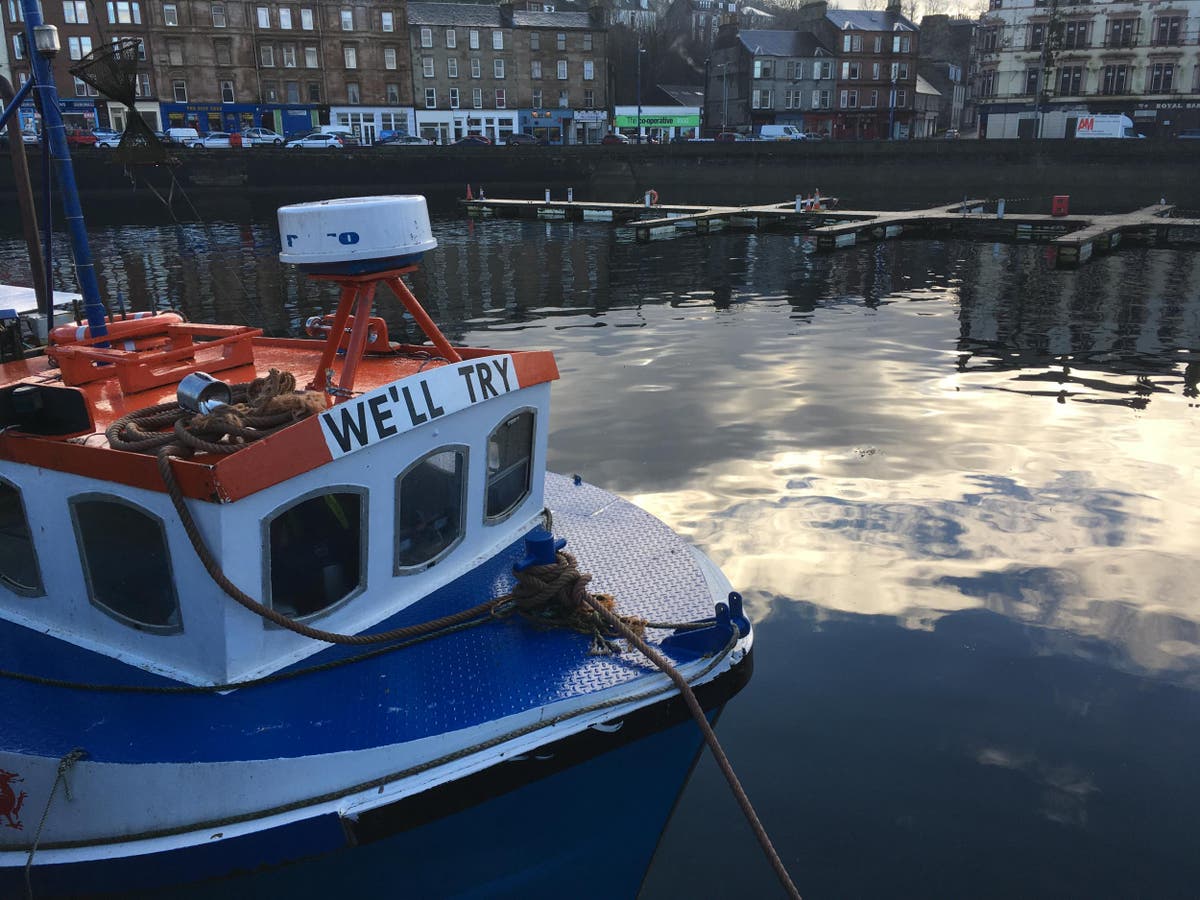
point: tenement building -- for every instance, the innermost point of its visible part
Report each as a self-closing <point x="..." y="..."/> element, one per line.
<point x="494" y="70"/>
<point x="1043" y="64"/>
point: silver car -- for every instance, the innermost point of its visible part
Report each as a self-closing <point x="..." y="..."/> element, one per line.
<point x="261" y="137"/>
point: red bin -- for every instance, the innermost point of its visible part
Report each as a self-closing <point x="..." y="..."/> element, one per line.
<point x="1060" y="205"/>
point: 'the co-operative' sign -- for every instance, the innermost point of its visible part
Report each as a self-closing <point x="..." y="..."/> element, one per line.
<point x="414" y="401"/>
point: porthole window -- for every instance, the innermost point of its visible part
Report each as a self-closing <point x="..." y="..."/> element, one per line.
<point x="18" y="560"/>
<point x="126" y="563"/>
<point x="430" y="506"/>
<point x="316" y="553"/>
<point x="509" y="458"/>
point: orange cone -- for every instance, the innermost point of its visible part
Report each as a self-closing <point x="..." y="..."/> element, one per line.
<point x="469" y="197"/>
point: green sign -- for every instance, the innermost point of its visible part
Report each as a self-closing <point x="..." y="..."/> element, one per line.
<point x="680" y="121"/>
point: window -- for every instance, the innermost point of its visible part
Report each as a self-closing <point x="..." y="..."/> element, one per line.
<point x="760" y="99"/>
<point x="346" y="17"/>
<point x="430" y="98"/>
<point x="987" y="83"/>
<point x="427" y="66"/>
<point x="350" y="56"/>
<point x="179" y="90"/>
<point x="1161" y="77"/>
<point x="452" y="68"/>
<point x="560" y="41"/>
<point x="509" y="459"/>
<point x="263" y="15"/>
<point x="587" y="40"/>
<point x="498" y="68"/>
<point x="826" y="69"/>
<point x="562" y="70"/>
<point x="845" y="99"/>
<point x="18" y="559"/>
<point x="291" y="91"/>
<point x="170" y="14"/>
<point x="476" y="68"/>
<point x="822" y="99"/>
<point x="989" y="39"/>
<point x="218" y="15"/>
<point x="899" y="71"/>
<point x="1166" y="30"/>
<point x="123" y="13"/>
<point x="1075" y="35"/>
<point x="352" y="93"/>
<point x="454" y="98"/>
<point x="1037" y="36"/>
<point x="901" y="44"/>
<point x="1114" y="80"/>
<point x="535" y="40"/>
<point x="497" y="40"/>
<point x="79" y="47"/>
<point x="536" y="98"/>
<point x="589" y="99"/>
<point x="266" y="55"/>
<point x="288" y="52"/>
<point x="75" y="12"/>
<point x="477" y="98"/>
<point x="852" y="43"/>
<point x="314" y="92"/>
<point x="80" y="91"/>
<point x="311" y="59"/>
<point x="874" y="71"/>
<point x="473" y="38"/>
<point x="878" y="44"/>
<point x="271" y="91"/>
<point x="589" y="70"/>
<point x="175" y="52"/>
<point x="389" y="57"/>
<point x="451" y="39"/>
<point x="1070" y="81"/>
<point x="535" y="69"/>
<point x="1121" y="32"/>
<point x="1031" y="81"/>
<point x="426" y="37"/>
<point x="18" y="46"/>
<point x="285" y="19"/>
<point x="872" y="99"/>
<point x="764" y="68"/>
<point x="306" y="19"/>
<point x="501" y="98"/>
<point x="141" y="590"/>
<point x="850" y="70"/>
<point x="563" y="99"/>
<point x="226" y="91"/>
<point x="901" y="99"/>
<point x="315" y="553"/>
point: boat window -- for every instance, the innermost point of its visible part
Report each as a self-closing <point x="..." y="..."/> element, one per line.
<point x="430" y="503"/>
<point x="510" y="448"/>
<point x="316" y="553"/>
<point x="18" y="561"/>
<point x="126" y="563"/>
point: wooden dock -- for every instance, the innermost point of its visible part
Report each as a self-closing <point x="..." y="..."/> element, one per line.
<point x="1075" y="238"/>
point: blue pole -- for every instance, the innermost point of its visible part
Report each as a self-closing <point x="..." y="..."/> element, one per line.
<point x="17" y="100"/>
<point x="54" y="142"/>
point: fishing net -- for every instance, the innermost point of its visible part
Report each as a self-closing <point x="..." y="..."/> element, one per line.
<point x="112" y="69"/>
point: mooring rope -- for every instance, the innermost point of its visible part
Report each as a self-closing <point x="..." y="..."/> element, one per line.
<point x="64" y="766"/>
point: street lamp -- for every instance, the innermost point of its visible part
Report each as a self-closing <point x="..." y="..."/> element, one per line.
<point x="724" y="96"/>
<point x="892" y="106"/>
<point x="639" y="88"/>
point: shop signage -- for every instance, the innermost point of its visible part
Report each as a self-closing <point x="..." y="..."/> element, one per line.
<point x="591" y="116"/>
<point x="658" y="121"/>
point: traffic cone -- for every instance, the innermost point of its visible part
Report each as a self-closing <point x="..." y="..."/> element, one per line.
<point x="469" y="197"/>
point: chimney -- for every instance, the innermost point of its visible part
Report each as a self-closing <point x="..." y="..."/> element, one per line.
<point x="506" y="15"/>
<point x="597" y="15"/>
<point x="894" y="7"/>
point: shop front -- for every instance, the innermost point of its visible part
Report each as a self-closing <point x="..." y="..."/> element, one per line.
<point x="445" y="126"/>
<point x="659" y="122"/>
<point x="373" y="123"/>
<point x="590" y="126"/>
<point x="293" y="118"/>
<point x="550" y="125"/>
<point x="79" y="116"/>
<point x="118" y="115"/>
<point x="206" y="117"/>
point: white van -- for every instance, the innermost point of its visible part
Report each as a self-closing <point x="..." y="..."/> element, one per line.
<point x="781" y="133"/>
<point x="185" y="136"/>
<point x="1105" y="127"/>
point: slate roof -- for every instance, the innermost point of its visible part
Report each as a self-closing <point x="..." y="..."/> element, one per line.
<point x="523" y="19"/>
<point x="868" y="20"/>
<point x="684" y="94"/>
<point x="488" y="16"/>
<point x="924" y="87"/>
<point x="763" y="42"/>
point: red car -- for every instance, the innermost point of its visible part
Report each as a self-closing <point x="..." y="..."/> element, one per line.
<point x="614" y="138"/>
<point x="81" y="139"/>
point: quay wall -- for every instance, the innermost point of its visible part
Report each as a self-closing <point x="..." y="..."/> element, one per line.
<point x="1099" y="176"/>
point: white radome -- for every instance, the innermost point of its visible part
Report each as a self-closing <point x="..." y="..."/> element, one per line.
<point x="355" y="229"/>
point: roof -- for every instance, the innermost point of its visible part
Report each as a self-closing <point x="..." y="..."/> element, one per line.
<point x="684" y="94"/>
<point x="924" y="87"/>
<point x="868" y="20"/>
<point x="764" y="42"/>
<point x="468" y="14"/>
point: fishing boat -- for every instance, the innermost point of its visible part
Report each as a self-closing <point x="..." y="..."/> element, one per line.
<point x="288" y="615"/>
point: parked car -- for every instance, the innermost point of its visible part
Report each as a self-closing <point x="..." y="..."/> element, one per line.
<point x="214" y="140"/>
<point x="781" y="133"/>
<point x="316" y="141"/>
<point x="348" y="135"/>
<point x="1191" y="134"/>
<point x="614" y="137"/>
<point x="405" y="140"/>
<point x="517" y="138"/>
<point x="261" y="137"/>
<point x="680" y="139"/>
<point x="728" y="137"/>
<point x="106" y="138"/>
<point x="815" y="136"/>
<point x="81" y="139"/>
<point x="183" y="136"/>
<point x="473" y="140"/>
<point x="951" y="134"/>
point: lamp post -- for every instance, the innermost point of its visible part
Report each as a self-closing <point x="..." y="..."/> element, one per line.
<point x="892" y="106"/>
<point x="639" y="88"/>
<point x="724" y="96"/>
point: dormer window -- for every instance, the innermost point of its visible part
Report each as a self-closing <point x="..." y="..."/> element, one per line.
<point x="430" y="509"/>
<point x="18" y="559"/>
<point x="316" y="550"/>
<point x="509" y="464"/>
<point x="126" y="563"/>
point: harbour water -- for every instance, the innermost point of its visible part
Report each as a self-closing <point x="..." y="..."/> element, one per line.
<point x="957" y="487"/>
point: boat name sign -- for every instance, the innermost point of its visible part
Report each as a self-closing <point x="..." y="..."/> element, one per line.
<point x="414" y="401"/>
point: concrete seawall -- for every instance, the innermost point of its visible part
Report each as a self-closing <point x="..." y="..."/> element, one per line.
<point x="1100" y="176"/>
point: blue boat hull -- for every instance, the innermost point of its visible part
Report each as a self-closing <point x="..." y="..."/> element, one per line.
<point x="581" y="818"/>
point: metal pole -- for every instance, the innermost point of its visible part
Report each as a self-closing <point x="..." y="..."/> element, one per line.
<point x="724" y="96"/>
<point x="25" y="194"/>
<point x="639" y="88"/>
<point x="892" y="107"/>
<point x="54" y="142"/>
